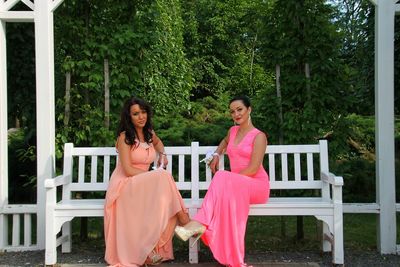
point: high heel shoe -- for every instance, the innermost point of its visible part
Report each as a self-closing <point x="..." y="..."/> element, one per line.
<point x="153" y="258"/>
<point x="189" y="230"/>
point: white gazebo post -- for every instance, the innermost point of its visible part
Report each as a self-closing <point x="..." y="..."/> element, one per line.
<point x="45" y="105"/>
<point x="384" y="124"/>
<point x="3" y="134"/>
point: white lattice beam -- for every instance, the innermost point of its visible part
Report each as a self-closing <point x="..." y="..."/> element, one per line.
<point x="3" y="135"/>
<point x="55" y="4"/>
<point x="7" y="5"/>
<point x="384" y="125"/>
<point x="45" y="107"/>
<point x="17" y="16"/>
<point x="29" y="4"/>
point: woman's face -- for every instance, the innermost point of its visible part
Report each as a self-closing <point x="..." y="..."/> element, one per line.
<point x="138" y="116"/>
<point x="239" y="112"/>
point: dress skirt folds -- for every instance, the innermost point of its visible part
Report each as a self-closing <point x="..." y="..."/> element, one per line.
<point x="225" y="208"/>
<point x="140" y="212"/>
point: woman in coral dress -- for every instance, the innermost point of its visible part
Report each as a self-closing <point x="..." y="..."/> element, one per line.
<point x="221" y="221"/>
<point x="142" y="207"/>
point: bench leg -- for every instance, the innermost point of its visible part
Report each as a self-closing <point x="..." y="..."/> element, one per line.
<point x="338" y="251"/>
<point x="326" y="245"/>
<point x="66" y="232"/>
<point x="194" y="251"/>
<point x="51" y="241"/>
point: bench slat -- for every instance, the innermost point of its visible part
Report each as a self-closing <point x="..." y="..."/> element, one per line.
<point x="271" y="165"/>
<point x="284" y="167"/>
<point x="297" y="168"/>
<point x="106" y="169"/>
<point x="285" y="149"/>
<point x="310" y="167"/>
<point x="93" y="170"/>
<point x="94" y="151"/>
<point x="81" y="173"/>
<point x="181" y="172"/>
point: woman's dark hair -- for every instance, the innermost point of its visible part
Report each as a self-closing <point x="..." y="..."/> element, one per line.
<point x="245" y="100"/>
<point x="126" y="125"/>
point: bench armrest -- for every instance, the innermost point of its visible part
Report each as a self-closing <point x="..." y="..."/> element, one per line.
<point x="57" y="181"/>
<point x="331" y="178"/>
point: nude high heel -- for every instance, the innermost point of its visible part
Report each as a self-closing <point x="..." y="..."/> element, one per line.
<point x="190" y="229"/>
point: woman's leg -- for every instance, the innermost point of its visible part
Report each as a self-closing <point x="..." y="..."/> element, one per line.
<point x="183" y="217"/>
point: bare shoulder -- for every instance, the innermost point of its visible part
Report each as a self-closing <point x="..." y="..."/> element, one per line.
<point x="261" y="138"/>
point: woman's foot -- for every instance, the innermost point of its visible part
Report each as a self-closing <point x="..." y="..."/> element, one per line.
<point x="190" y="229"/>
<point x="153" y="258"/>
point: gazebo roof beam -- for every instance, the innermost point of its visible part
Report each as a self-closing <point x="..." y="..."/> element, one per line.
<point x="17" y="16"/>
<point x="55" y="4"/>
<point x="5" y="6"/>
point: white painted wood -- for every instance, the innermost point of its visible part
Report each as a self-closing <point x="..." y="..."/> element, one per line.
<point x="9" y="4"/>
<point x="284" y="167"/>
<point x="28" y="3"/>
<point x="45" y="107"/>
<point x="93" y="170"/>
<point x="297" y="168"/>
<point x="27" y="229"/>
<point x="310" y="167"/>
<point x="55" y="4"/>
<point x="271" y="165"/>
<point x="384" y="124"/>
<point x="15" y="230"/>
<point x="195" y="170"/>
<point x="106" y="170"/>
<point x="3" y="135"/>
<point x="19" y="208"/>
<point x="17" y="16"/>
<point x="361" y="208"/>
<point x="81" y="170"/>
<point x="327" y="209"/>
<point x="181" y="165"/>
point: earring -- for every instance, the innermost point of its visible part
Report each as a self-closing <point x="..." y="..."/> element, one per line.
<point x="249" y="120"/>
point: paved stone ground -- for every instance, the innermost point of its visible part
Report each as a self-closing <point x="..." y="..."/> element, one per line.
<point x="94" y="258"/>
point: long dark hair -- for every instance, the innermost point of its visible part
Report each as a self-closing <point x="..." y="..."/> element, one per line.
<point x="126" y="125"/>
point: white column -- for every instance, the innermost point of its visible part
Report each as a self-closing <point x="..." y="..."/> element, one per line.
<point x="384" y="124"/>
<point x="45" y="114"/>
<point x="3" y="134"/>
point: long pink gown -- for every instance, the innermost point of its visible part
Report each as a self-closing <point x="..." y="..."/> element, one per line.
<point x="140" y="212"/>
<point x="225" y="208"/>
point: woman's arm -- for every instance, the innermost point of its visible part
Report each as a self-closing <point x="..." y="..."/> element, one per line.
<point x="124" y="151"/>
<point x="219" y="151"/>
<point x="257" y="156"/>
<point x="159" y="147"/>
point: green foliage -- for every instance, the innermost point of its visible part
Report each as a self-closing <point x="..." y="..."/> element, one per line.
<point x="22" y="168"/>
<point x="207" y="123"/>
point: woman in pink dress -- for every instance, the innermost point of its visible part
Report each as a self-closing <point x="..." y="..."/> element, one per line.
<point x="222" y="218"/>
<point x="142" y="207"/>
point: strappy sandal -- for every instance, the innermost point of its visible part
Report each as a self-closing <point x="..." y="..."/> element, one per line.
<point x="153" y="258"/>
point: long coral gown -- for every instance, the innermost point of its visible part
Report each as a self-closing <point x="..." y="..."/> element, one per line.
<point x="140" y="212"/>
<point x="225" y="207"/>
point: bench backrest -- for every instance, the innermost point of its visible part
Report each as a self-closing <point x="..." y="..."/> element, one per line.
<point x="289" y="167"/>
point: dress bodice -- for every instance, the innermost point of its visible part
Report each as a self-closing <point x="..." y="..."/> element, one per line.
<point x="142" y="155"/>
<point x="240" y="154"/>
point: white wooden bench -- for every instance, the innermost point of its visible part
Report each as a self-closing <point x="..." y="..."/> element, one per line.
<point x="290" y="167"/>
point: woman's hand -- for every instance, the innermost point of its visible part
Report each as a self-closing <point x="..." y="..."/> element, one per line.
<point x="162" y="160"/>
<point x="214" y="164"/>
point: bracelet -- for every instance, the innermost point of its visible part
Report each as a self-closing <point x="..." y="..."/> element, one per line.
<point x="162" y="153"/>
<point x="215" y="154"/>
